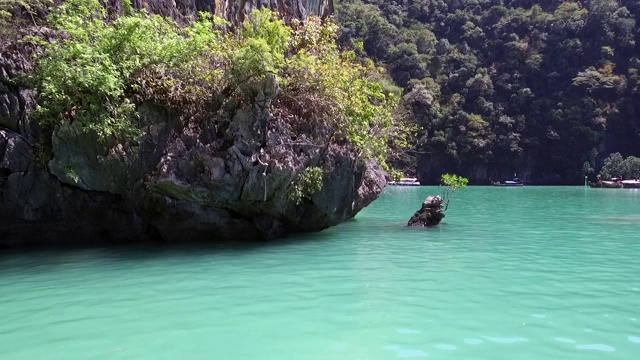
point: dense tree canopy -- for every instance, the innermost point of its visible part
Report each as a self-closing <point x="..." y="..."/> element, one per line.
<point x="548" y="88"/>
<point x="615" y="166"/>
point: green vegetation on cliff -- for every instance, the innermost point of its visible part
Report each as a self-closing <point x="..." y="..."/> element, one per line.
<point x="145" y="127"/>
<point x="617" y="166"/>
<point x="547" y="88"/>
<point x="103" y="66"/>
<point x="10" y="7"/>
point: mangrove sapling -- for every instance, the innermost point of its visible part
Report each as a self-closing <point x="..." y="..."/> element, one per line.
<point x="451" y="183"/>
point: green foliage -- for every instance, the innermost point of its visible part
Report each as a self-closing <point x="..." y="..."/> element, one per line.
<point x="71" y="173"/>
<point x="42" y="153"/>
<point x="615" y="166"/>
<point x="259" y="48"/>
<point x="452" y="183"/>
<point x="346" y="94"/>
<point x="598" y="79"/>
<point x="10" y="7"/>
<point x="267" y="27"/>
<point x="306" y="184"/>
<point x="102" y="69"/>
<point x="587" y="168"/>
<point x="93" y="74"/>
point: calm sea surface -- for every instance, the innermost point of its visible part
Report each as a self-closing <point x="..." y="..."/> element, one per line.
<point x="512" y="273"/>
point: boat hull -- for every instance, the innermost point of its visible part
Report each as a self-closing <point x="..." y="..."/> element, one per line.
<point x="631" y="184"/>
<point x="405" y="182"/>
<point x="606" y="185"/>
<point x="507" y="184"/>
<point x="402" y="183"/>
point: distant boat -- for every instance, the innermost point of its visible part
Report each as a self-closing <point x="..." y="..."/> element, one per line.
<point x="614" y="184"/>
<point x="631" y="184"/>
<point x="405" y="182"/>
<point x="515" y="182"/>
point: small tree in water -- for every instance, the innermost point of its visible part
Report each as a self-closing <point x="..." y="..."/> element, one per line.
<point x="452" y="183"/>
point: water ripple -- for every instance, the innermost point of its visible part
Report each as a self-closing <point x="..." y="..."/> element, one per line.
<point x="597" y="347"/>
<point x="505" y="340"/>
<point x="473" y="341"/>
<point x="446" y="347"/>
<point x="411" y="353"/>
<point x="564" y="340"/>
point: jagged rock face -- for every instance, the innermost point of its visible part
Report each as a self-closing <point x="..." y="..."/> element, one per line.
<point x="34" y="206"/>
<point x="236" y="10"/>
<point x="232" y="10"/>
<point x="429" y="214"/>
<point x="178" y="182"/>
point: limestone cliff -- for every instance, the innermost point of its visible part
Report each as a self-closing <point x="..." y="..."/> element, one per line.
<point x="235" y="10"/>
<point x="232" y="10"/>
<point x="178" y="182"/>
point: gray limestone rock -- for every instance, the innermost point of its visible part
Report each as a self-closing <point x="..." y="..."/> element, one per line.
<point x="224" y="179"/>
<point x="15" y="153"/>
<point x="83" y="160"/>
<point x="430" y="213"/>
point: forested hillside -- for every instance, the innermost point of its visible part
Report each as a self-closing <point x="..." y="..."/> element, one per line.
<point x="544" y="88"/>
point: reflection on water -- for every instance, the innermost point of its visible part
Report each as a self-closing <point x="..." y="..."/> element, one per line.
<point x="622" y="219"/>
<point x="598" y="347"/>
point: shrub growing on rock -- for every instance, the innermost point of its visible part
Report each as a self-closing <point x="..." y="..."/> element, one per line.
<point x="452" y="183"/>
<point x="102" y="67"/>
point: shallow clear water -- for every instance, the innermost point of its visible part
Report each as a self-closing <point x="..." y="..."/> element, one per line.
<point x="512" y="273"/>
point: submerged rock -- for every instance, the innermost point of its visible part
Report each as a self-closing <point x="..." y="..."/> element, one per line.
<point x="430" y="214"/>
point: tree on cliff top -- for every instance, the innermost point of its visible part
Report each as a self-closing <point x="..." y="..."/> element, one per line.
<point x="617" y="166"/>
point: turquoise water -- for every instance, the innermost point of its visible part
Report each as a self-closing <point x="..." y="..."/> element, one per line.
<point x="512" y="273"/>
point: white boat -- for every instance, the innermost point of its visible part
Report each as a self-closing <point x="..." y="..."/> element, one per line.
<point x="631" y="184"/>
<point x="515" y="182"/>
<point x="405" y="182"/>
